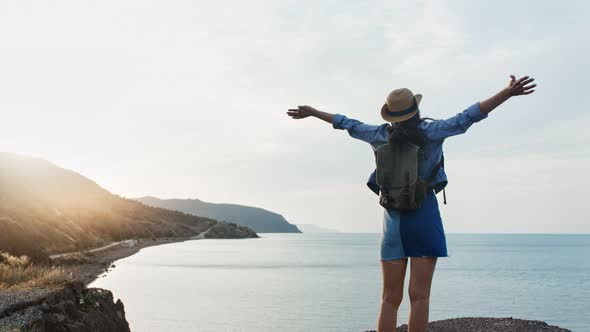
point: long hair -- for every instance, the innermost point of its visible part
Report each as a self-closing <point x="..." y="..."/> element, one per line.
<point x="407" y="131"/>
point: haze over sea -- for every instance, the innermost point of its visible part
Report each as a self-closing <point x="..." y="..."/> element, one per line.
<point x="332" y="282"/>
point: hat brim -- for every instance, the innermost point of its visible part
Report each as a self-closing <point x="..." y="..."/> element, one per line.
<point x="401" y="118"/>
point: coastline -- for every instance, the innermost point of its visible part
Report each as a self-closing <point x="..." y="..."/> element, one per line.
<point x="99" y="263"/>
<point x="75" y="306"/>
<point x="87" y="265"/>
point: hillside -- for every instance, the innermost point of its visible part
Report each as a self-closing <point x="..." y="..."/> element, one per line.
<point x="45" y="209"/>
<point x="260" y="220"/>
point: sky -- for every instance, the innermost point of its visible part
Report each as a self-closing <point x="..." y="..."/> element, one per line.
<point x="187" y="99"/>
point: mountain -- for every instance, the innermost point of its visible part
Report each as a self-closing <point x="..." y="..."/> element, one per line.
<point x="260" y="220"/>
<point x="45" y="209"/>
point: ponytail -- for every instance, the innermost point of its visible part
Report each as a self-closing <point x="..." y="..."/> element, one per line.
<point x="407" y="131"/>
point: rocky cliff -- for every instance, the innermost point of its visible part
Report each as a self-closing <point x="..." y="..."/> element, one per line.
<point x="73" y="308"/>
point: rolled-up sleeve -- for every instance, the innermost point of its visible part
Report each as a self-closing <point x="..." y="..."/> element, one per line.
<point x="356" y="129"/>
<point x="337" y="123"/>
<point x="455" y="125"/>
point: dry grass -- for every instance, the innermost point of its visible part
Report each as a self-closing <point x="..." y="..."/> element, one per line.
<point x="19" y="272"/>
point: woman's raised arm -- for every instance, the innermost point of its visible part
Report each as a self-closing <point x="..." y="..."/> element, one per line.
<point x="356" y="129"/>
<point x="519" y="87"/>
<point x="458" y="124"/>
<point x="302" y="112"/>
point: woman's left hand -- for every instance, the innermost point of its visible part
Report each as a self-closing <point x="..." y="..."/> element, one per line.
<point x="516" y="87"/>
<point x="520" y="87"/>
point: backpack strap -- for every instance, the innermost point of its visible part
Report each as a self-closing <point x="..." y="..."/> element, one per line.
<point x="440" y="164"/>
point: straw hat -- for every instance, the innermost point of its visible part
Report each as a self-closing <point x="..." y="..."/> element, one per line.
<point x="400" y="105"/>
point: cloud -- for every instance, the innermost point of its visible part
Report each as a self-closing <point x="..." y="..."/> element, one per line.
<point x="531" y="193"/>
<point x="187" y="99"/>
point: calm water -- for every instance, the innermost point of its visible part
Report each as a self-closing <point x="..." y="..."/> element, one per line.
<point x="332" y="282"/>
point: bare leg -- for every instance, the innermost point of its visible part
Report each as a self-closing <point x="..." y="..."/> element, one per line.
<point x="394" y="273"/>
<point x="421" y="271"/>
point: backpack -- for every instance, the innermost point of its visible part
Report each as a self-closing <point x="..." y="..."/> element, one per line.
<point x="401" y="187"/>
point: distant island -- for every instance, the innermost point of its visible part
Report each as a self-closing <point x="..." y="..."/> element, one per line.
<point x="258" y="219"/>
<point x="310" y="228"/>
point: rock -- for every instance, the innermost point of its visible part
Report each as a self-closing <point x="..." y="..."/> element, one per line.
<point x="73" y="308"/>
<point x="481" y="324"/>
<point x="14" y="300"/>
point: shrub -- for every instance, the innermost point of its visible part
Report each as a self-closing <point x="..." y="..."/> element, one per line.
<point x="92" y="297"/>
<point x="19" y="272"/>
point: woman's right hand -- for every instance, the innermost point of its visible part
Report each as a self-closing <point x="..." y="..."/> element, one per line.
<point x="301" y="112"/>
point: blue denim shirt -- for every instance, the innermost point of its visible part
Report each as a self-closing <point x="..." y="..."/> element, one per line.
<point x="435" y="133"/>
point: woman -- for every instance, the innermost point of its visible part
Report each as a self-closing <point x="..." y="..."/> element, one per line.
<point x="416" y="234"/>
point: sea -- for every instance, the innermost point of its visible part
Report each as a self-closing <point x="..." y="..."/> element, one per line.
<point x="332" y="282"/>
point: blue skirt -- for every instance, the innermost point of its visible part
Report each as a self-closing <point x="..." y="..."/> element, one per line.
<point x="416" y="233"/>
